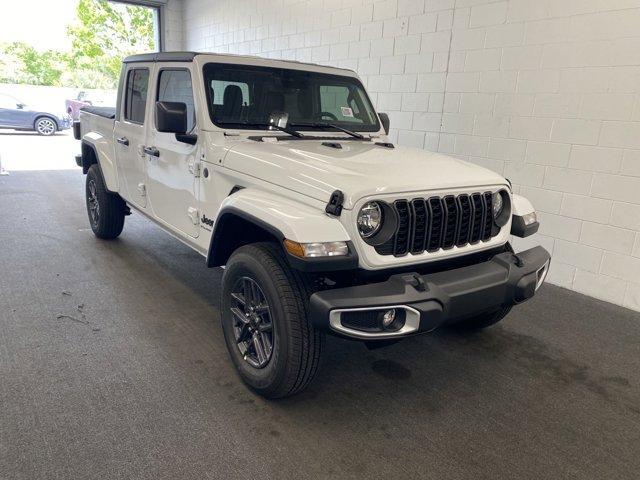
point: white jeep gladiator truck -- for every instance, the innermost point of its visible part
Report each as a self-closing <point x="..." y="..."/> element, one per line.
<point x="282" y="172"/>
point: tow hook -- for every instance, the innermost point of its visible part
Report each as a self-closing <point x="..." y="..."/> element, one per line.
<point x="518" y="261"/>
<point x="416" y="282"/>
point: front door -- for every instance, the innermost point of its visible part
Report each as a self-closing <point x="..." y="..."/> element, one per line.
<point x="173" y="169"/>
<point x="130" y="134"/>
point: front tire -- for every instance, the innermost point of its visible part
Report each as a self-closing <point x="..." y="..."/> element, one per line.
<point x="272" y="344"/>
<point x="106" y="210"/>
<point x="45" y="126"/>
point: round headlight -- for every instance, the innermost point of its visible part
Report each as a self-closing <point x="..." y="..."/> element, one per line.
<point x="498" y="204"/>
<point x="369" y="219"/>
<point x="501" y="205"/>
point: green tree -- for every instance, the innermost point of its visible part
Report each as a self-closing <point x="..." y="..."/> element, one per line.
<point x="107" y="32"/>
<point x="34" y="67"/>
<point x="103" y="34"/>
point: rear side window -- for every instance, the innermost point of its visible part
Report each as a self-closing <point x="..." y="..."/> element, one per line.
<point x="135" y="102"/>
<point x="175" y="86"/>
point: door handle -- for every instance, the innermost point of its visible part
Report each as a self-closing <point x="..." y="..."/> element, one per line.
<point x="153" y="151"/>
<point x="123" y="141"/>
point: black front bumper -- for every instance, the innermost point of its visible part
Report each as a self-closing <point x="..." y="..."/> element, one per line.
<point x="439" y="298"/>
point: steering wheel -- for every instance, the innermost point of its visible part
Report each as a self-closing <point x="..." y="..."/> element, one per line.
<point x="320" y="115"/>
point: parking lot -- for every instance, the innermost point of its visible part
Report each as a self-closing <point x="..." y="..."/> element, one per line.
<point x="113" y="365"/>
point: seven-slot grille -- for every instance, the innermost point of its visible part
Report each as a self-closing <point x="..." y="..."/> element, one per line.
<point x="440" y="222"/>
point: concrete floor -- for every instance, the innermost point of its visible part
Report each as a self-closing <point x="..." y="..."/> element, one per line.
<point x="136" y="383"/>
<point x="56" y="152"/>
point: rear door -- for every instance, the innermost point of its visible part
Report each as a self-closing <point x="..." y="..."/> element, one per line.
<point x="130" y="132"/>
<point x="172" y="172"/>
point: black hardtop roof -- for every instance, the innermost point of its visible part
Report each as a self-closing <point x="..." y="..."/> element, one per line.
<point x="189" y="56"/>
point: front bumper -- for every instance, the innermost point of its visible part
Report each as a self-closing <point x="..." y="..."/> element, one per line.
<point x="436" y="299"/>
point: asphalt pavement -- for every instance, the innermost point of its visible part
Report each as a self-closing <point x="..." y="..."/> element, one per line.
<point x="113" y="365"/>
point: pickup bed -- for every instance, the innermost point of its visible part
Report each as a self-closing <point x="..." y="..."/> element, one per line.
<point x="283" y="173"/>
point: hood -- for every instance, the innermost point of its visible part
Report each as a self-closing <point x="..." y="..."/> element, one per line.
<point x="358" y="169"/>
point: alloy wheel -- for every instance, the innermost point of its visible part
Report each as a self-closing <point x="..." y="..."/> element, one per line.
<point x="45" y="126"/>
<point x="92" y="199"/>
<point x="252" y="322"/>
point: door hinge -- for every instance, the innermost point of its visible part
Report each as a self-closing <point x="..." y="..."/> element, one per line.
<point x="142" y="189"/>
<point x="193" y="215"/>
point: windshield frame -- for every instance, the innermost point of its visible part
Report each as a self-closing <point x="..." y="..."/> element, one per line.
<point x="373" y="128"/>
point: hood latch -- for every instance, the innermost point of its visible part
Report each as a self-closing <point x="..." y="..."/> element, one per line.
<point x="334" y="207"/>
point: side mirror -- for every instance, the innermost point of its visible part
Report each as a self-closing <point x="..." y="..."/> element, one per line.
<point x="384" y="118"/>
<point x="171" y="117"/>
<point x="20" y="106"/>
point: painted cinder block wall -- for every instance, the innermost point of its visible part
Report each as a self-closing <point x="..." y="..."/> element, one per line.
<point x="545" y="92"/>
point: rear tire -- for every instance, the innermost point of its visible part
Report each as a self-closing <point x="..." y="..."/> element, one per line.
<point x="294" y="346"/>
<point x="106" y="210"/>
<point x="484" y="320"/>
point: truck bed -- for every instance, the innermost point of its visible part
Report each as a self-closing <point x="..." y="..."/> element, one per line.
<point x="106" y="112"/>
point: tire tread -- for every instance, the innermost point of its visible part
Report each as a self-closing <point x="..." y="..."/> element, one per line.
<point x="294" y="290"/>
<point x="112" y="208"/>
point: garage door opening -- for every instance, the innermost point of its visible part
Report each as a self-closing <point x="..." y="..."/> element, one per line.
<point x="69" y="57"/>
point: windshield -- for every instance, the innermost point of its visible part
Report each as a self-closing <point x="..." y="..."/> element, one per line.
<point x="243" y="96"/>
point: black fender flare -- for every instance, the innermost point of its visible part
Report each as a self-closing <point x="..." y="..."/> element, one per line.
<point x="218" y="256"/>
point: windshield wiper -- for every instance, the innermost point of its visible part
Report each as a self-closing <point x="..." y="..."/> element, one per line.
<point x="330" y="125"/>
<point x="288" y="130"/>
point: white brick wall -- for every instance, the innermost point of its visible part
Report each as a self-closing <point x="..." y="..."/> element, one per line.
<point x="173" y="37"/>
<point x="545" y="92"/>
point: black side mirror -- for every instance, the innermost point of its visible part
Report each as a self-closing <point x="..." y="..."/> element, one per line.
<point x="20" y="106"/>
<point x="171" y="117"/>
<point x="384" y="118"/>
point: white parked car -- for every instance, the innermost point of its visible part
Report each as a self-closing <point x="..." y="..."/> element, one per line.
<point x="283" y="173"/>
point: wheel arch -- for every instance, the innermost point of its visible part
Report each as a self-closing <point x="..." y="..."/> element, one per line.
<point x="96" y="150"/>
<point x="249" y="216"/>
<point x="243" y="228"/>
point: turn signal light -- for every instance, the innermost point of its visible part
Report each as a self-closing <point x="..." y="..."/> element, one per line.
<point x="316" y="249"/>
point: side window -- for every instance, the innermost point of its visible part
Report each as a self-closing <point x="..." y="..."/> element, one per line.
<point x="175" y="86"/>
<point x="135" y="101"/>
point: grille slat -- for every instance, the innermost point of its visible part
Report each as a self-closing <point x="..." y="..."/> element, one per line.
<point x="465" y="219"/>
<point x="450" y="223"/>
<point x="403" y="234"/>
<point x="420" y="225"/>
<point x="440" y="223"/>
<point x="488" y="218"/>
<point x="436" y="215"/>
<point x="479" y="211"/>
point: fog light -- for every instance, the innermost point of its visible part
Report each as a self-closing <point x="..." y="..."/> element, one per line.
<point x="388" y="317"/>
<point x="392" y="319"/>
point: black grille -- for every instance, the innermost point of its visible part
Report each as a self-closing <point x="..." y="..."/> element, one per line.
<point x="440" y="222"/>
